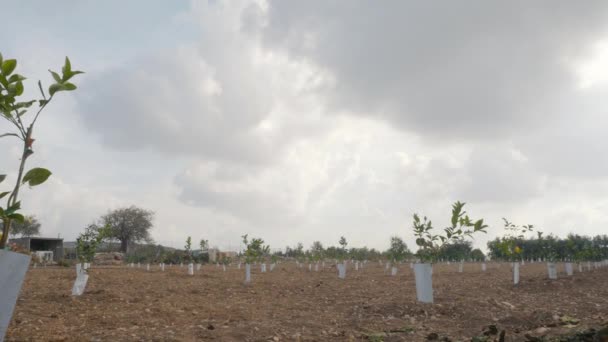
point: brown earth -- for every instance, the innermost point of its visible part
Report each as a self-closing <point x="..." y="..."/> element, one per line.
<point x="291" y="303"/>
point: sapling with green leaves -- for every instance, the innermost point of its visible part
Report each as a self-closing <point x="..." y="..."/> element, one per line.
<point x="343" y="252"/>
<point x="188" y="249"/>
<point x="549" y="247"/>
<point x="204" y="244"/>
<point x="226" y="261"/>
<point x="88" y="242"/>
<point x="461" y="226"/>
<point x="317" y="250"/>
<point x="510" y="242"/>
<point x="14" y="110"/>
<point x="254" y="249"/>
<point x="431" y="245"/>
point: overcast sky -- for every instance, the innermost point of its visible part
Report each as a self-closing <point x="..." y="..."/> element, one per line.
<point x="298" y="121"/>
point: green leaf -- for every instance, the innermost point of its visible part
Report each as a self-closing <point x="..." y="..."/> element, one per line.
<point x="67" y="76"/>
<point x="13" y="208"/>
<point x="15" y="89"/>
<point x="20" y="105"/>
<point x="2" y="178"/>
<point x="36" y="176"/>
<point x="69" y="86"/>
<point x="56" y="76"/>
<point x="19" y="88"/>
<point x="17" y="217"/>
<point x="0" y="59"/>
<point x="67" y="67"/>
<point x="8" y="66"/>
<point x="54" y="88"/>
<point x="16" y="78"/>
<point x="4" y="194"/>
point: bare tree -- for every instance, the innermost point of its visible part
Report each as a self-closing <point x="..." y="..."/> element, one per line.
<point x="129" y="225"/>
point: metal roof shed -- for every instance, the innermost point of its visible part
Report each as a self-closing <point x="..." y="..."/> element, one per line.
<point x="34" y="244"/>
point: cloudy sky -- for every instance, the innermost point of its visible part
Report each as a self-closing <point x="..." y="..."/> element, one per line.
<point x="308" y="120"/>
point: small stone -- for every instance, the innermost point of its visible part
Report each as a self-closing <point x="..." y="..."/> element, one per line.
<point x="541" y="331"/>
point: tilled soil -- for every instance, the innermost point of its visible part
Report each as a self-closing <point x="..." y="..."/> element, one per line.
<point x="292" y="303"/>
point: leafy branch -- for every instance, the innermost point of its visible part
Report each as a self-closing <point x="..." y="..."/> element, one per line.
<point x="255" y="249"/>
<point x="510" y="243"/>
<point x="461" y="226"/>
<point x="13" y="110"/>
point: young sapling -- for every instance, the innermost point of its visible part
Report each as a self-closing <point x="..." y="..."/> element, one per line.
<point x="430" y="245"/>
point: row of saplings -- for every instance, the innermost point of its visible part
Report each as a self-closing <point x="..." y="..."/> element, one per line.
<point x="461" y="227"/>
<point x="430" y="246"/>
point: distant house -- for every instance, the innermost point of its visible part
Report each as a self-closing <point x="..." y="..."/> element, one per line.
<point x="41" y="244"/>
<point x="215" y="255"/>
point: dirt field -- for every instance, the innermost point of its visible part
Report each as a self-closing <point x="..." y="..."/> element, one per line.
<point x="290" y="304"/>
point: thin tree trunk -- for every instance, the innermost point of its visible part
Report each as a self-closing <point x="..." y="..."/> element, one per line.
<point x="12" y="199"/>
<point x="124" y="246"/>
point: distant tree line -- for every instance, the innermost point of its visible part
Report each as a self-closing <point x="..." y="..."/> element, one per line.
<point x="574" y="248"/>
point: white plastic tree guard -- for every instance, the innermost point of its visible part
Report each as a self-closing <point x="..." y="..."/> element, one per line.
<point x="461" y="267"/>
<point x="13" y="267"/>
<point x="263" y="268"/>
<point x="552" y="270"/>
<point x="190" y="269"/>
<point x="515" y="266"/>
<point x="424" y="282"/>
<point x="341" y="271"/>
<point x="81" y="280"/>
<point x="569" y="270"/>
<point x="483" y="267"/>
<point x="247" y="273"/>
<point x="393" y="271"/>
